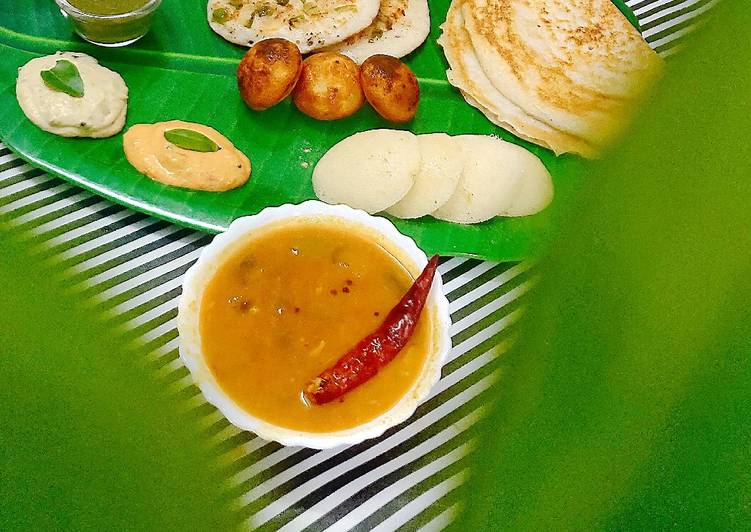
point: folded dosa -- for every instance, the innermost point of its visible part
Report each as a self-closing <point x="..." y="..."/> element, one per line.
<point x="467" y="75"/>
<point x="576" y="65"/>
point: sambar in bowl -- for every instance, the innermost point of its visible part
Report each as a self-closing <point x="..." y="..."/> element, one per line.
<point x="281" y="296"/>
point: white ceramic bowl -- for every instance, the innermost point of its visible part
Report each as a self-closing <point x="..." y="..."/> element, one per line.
<point x="197" y="277"/>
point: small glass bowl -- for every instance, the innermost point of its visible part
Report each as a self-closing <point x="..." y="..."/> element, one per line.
<point x="110" y="30"/>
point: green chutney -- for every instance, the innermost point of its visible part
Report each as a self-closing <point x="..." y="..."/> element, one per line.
<point x="108" y="7"/>
<point x="124" y="26"/>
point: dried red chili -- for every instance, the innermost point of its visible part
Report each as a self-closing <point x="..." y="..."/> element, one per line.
<point x="377" y="349"/>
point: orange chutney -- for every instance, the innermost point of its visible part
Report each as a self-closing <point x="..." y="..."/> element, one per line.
<point x="287" y="304"/>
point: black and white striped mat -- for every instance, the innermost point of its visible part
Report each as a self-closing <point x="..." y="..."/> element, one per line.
<point x="403" y="480"/>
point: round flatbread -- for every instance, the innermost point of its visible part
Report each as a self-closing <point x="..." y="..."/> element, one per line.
<point x="576" y="65"/>
<point x="398" y="29"/>
<point x="371" y="170"/>
<point x="440" y="169"/>
<point x="466" y="74"/>
<point x="310" y="24"/>
<point x="485" y="188"/>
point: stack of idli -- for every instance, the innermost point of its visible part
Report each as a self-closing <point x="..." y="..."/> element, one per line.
<point x="564" y="74"/>
<point x="465" y="179"/>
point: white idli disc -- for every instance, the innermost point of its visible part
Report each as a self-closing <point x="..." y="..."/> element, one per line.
<point x="435" y="183"/>
<point x="371" y="170"/>
<point x="486" y="188"/>
<point x="536" y="187"/>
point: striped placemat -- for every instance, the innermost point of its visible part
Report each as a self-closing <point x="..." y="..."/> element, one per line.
<point x="404" y="480"/>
